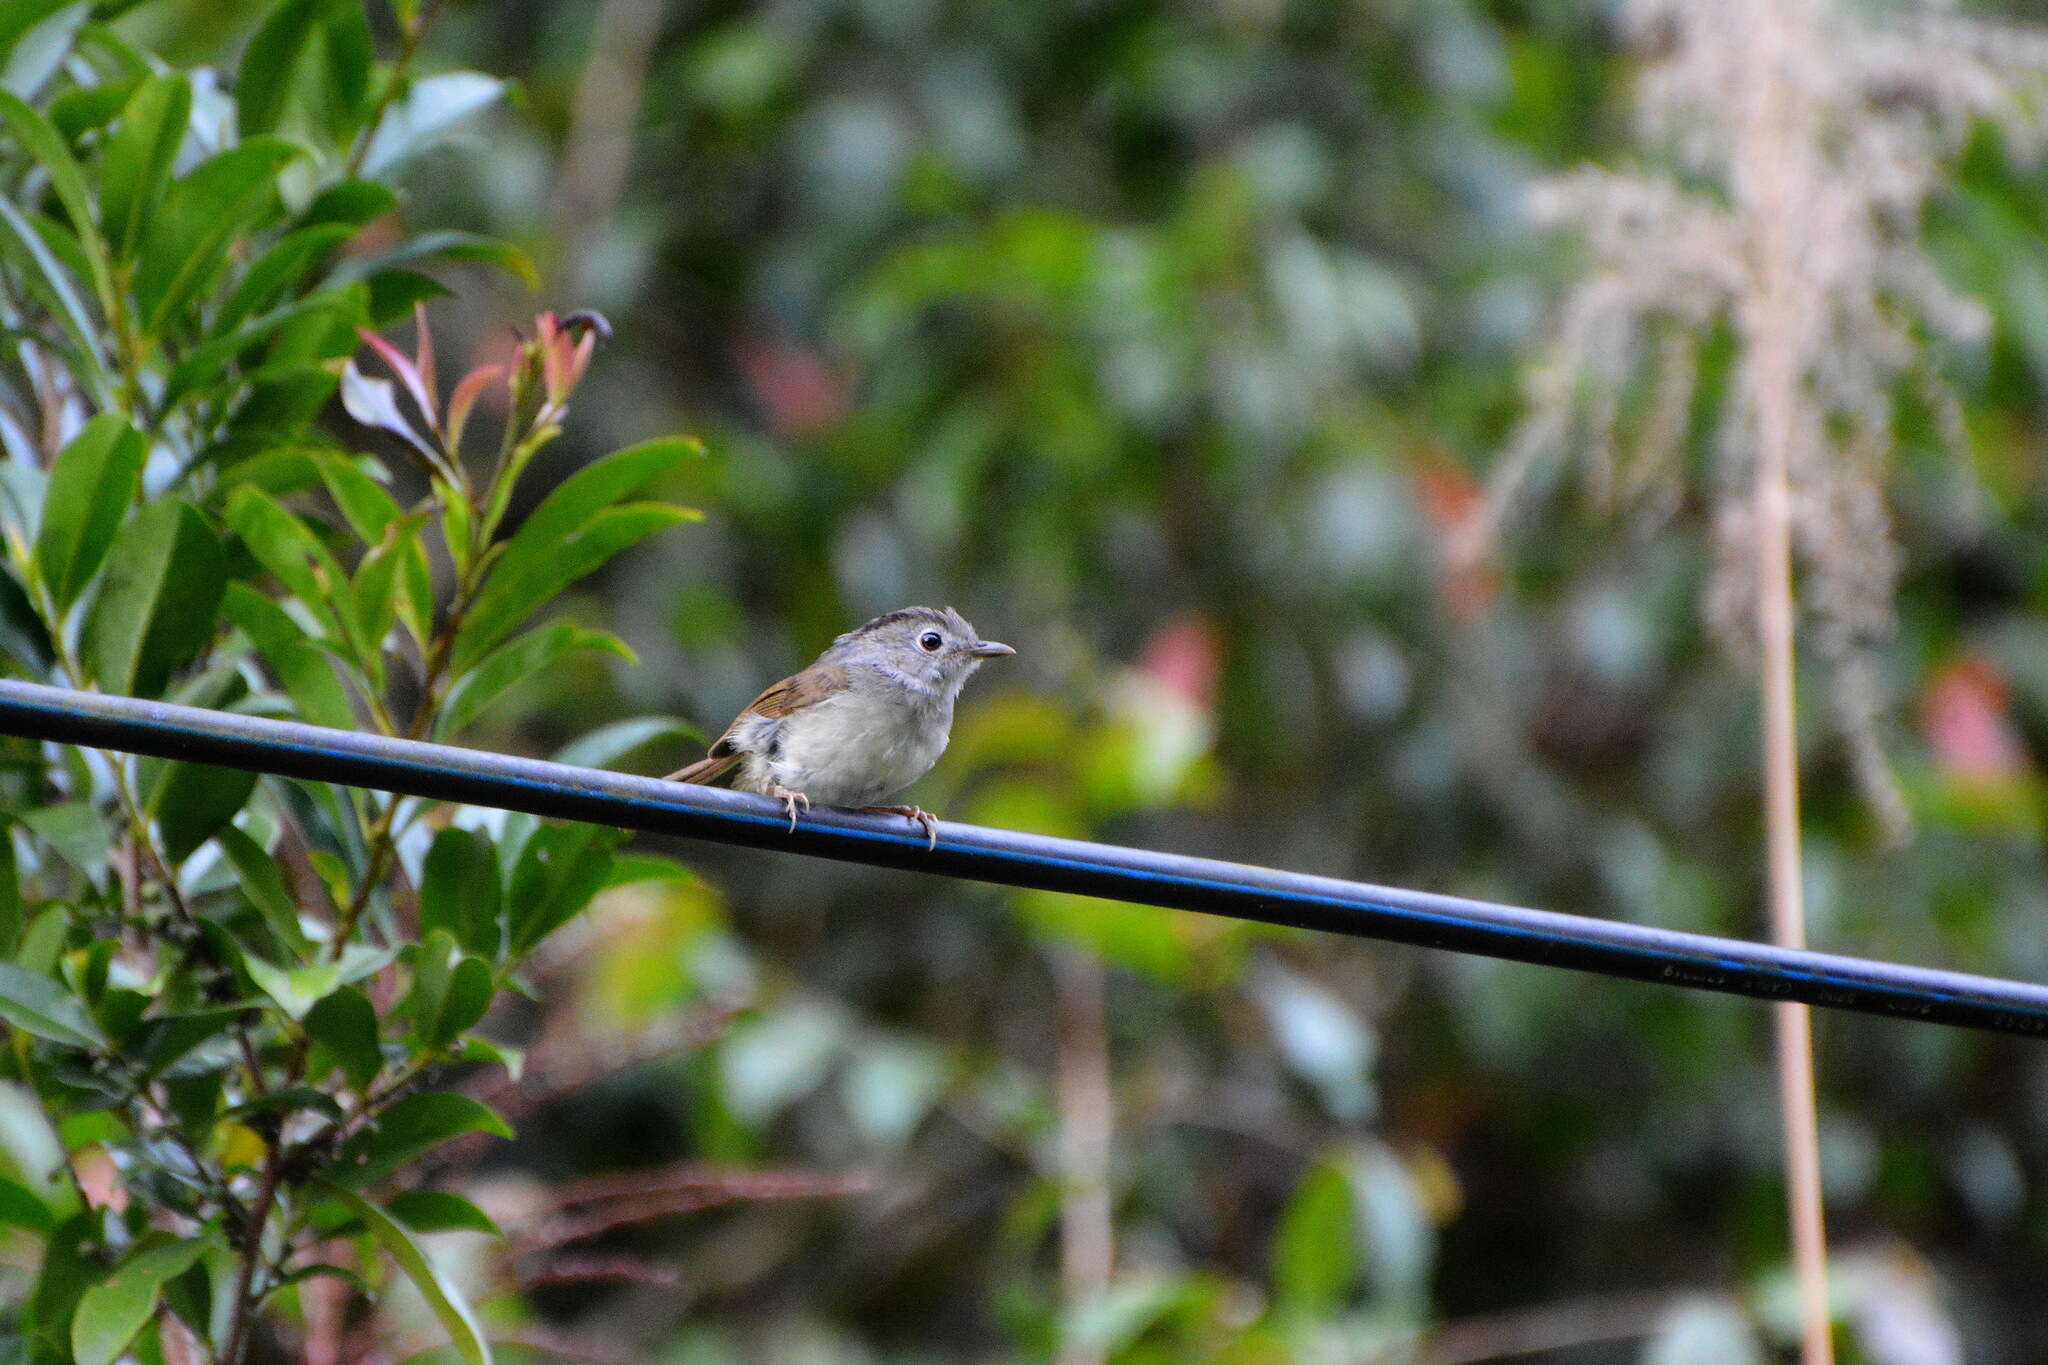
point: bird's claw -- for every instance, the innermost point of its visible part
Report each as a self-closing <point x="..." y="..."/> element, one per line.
<point x="923" y="817"/>
<point x="790" y="801"/>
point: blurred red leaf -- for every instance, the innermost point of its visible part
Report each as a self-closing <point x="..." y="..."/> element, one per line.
<point x="1966" y="720"/>
<point x="1185" y="655"/>
<point x="799" y="392"/>
<point x="1454" y="504"/>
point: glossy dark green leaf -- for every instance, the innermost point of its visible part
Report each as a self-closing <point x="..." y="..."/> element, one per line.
<point x="344" y="1024"/>
<point x="348" y="56"/>
<point x="136" y="164"/>
<point x="160" y="603"/>
<point x="114" y="1310"/>
<point x="531" y="575"/>
<point x="171" y="1039"/>
<point x="76" y="831"/>
<point x="270" y="62"/>
<point x="262" y="881"/>
<point x="446" y="1301"/>
<point x="45" y="145"/>
<point x="303" y="669"/>
<point x="463" y="1004"/>
<point x="442" y="245"/>
<point x="410" y="1127"/>
<point x="69" y="1267"/>
<point x="36" y="1004"/>
<point x="354" y="202"/>
<point x="440" y="1211"/>
<point x="204" y="211"/>
<point x="192" y="802"/>
<point x="364" y="502"/>
<point x="53" y="285"/>
<point x="560" y="869"/>
<point x="290" y="551"/>
<point x="516" y="660"/>
<point x="280" y="267"/>
<point x="21" y="1207"/>
<point x="460" y="890"/>
<point x="92" y="484"/>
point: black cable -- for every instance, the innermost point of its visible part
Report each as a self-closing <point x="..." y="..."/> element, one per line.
<point x="444" y="772"/>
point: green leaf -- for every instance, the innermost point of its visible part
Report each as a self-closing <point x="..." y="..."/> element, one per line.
<point x="440" y="1211"/>
<point x="76" y="831"/>
<point x="91" y="484"/>
<point x="204" y="211"/>
<point x="513" y="662"/>
<point x="20" y="1207"/>
<point x="535" y="569"/>
<point x="1315" y="1251"/>
<point x="410" y="1127"/>
<point x="160" y="602"/>
<point x="460" y="890"/>
<point x="607" y="744"/>
<point x="114" y="1310"/>
<point x="278" y="268"/>
<point x="36" y="1004"/>
<point x="303" y="669"/>
<point x="560" y="869"/>
<point x="169" y="1039"/>
<point x="345" y="1024"/>
<point x="192" y="802"/>
<point x="442" y="1297"/>
<point x="296" y="990"/>
<point x="465" y="1001"/>
<point x="52" y="285"/>
<point x="137" y="162"/>
<point x="10" y="895"/>
<point x="364" y="503"/>
<point x="263" y="883"/>
<point x="350" y="55"/>
<point x="374" y="592"/>
<point x="45" y="145"/>
<point x="292" y="553"/>
<point x="444" y="244"/>
<point x="270" y="61"/>
<point x="429" y="109"/>
<point x="35" y="37"/>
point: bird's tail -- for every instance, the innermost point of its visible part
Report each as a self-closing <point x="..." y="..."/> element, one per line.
<point x="705" y="770"/>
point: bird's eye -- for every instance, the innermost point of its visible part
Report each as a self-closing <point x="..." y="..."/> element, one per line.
<point x="929" y="642"/>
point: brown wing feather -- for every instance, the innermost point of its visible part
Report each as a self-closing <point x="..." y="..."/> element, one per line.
<point x="705" y="771"/>
<point x="807" y="688"/>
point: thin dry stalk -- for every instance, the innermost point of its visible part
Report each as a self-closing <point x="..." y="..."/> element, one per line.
<point x="1087" y="1232"/>
<point x="1773" y="162"/>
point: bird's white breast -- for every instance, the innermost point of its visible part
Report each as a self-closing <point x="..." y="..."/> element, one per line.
<point x="856" y="748"/>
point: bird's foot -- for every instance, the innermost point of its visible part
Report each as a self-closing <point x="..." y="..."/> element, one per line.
<point x="790" y="801"/>
<point x="917" y="813"/>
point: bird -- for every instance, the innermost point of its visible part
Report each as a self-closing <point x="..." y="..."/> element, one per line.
<point x="869" y="718"/>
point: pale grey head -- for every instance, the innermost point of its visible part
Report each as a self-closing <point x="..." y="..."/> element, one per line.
<point x="926" y="648"/>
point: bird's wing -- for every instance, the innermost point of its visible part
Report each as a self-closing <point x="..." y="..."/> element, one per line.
<point x="807" y="688"/>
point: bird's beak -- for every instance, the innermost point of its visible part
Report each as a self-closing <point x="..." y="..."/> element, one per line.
<point x="990" y="649"/>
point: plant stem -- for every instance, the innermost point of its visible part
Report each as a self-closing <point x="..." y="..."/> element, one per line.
<point x="1776" y="157"/>
<point x="252" y="1251"/>
<point x="1087" y="1228"/>
<point x="409" y="48"/>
